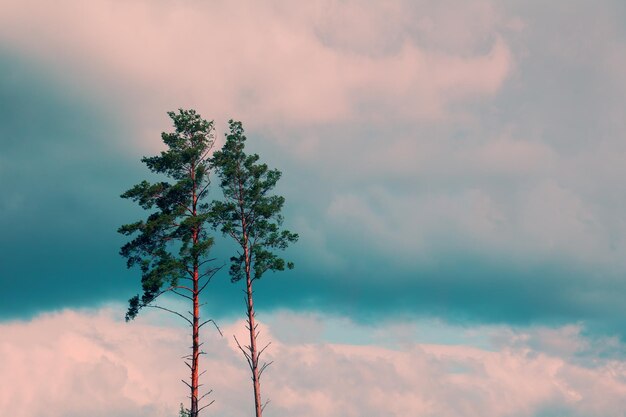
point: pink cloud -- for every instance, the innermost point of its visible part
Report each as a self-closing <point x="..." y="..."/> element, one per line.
<point x="265" y="63"/>
<point x="76" y="363"/>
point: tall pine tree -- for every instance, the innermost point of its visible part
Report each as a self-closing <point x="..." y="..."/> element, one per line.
<point x="172" y="244"/>
<point x="251" y="216"/>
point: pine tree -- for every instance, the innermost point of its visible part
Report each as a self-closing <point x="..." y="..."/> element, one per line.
<point x="172" y="244"/>
<point x="252" y="217"/>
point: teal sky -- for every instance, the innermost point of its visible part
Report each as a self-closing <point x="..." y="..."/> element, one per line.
<point x="377" y="242"/>
<point x="460" y="165"/>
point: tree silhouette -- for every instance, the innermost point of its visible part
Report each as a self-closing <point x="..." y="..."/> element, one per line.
<point x="250" y="215"/>
<point x="171" y="246"/>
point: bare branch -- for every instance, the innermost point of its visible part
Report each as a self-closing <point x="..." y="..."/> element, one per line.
<point x="245" y="354"/>
<point x="265" y="365"/>
<point x="182" y="295"/>
<point x="170" y="289"/>
<point x="205" y="406"/>
<point x="203" y="189"/>
<point x="214" y="323"/>
<point x="209" y="274"/>
<point x="173" y="312"/>
<point x="206" y="261"/>
<point x="262" y="350"/>
<point x="266" y="403"/>
<point x="201" y="398"/>
<point x="208" y="393"/>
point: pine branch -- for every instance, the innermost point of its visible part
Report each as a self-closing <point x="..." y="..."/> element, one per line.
<point x="265" y="365"/>
<point x="266" y="403"/>
<point x="262" y="350"/>
<point x="205" y="406"/>
<point x="245" y="354"/>
<point x="171" y="311"/>
<point x="214" y="323"/>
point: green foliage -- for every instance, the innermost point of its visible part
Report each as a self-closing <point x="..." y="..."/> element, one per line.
<point x="172" y="239"/>
<point x="183" y="412"/>
<point x="249" y="213"/>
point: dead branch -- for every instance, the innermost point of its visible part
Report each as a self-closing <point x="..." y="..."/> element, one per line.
<point x="173" y="312"/>
<point x="245" y="354"/>
<point x="264" y="404"/>
<point x="214" y="323"/>
<point x="205" y="406"/>
<point x="263" y="367"/>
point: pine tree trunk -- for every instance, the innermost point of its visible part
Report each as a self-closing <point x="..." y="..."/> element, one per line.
<point x="254" y="355"/>
<point x="252" y="328"/>
<point x="193" y="411"/>
<point x="195" y="348"/>
<point x="253" y="350"/>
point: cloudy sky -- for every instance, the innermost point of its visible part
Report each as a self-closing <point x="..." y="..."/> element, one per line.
<point x="455" y="169"/>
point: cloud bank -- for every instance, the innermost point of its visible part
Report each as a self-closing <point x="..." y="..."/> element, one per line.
<point x="74" y="363"/>
<point x="321" y="62"/>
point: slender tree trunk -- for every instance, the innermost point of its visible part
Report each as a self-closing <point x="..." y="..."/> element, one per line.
<point x="254" y="355"/>
<point x="195" y="347"/>
<point x="253" y="333"/>
<point x="195" y="354"/>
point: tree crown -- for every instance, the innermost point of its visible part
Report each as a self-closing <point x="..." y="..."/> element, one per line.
<point x="172" y="238"/>
<point x="250" y="214"/>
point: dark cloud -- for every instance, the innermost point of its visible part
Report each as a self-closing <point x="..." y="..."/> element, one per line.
<point x="461" y="290"/>
<point x="59" y="190"/>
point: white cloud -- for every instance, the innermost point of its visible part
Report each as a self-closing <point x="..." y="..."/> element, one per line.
<point x="76" y="363"/>
<point x="268" y="64"/>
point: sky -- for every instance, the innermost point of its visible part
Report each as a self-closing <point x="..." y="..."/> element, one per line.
<point x="454" y="170"/>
